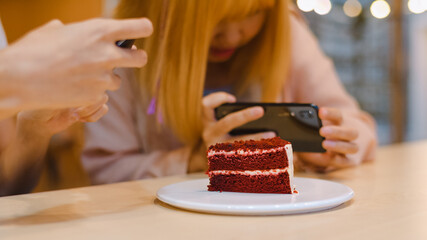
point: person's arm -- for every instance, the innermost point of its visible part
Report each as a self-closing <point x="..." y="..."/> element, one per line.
<point x="350" y="132"/>
<point x="59" y="66"/>
<point x="22" y="159"/>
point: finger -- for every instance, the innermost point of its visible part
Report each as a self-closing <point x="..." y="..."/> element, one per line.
<point x="129" y="58"/>
<point x="330" y="169"/>
<point x="96" y="115"/>
<point x="256" y="136"/>
<point x="239" y="118"/>
<point x="327" y="123"/>
<point x="214" y="100"/>
<point x="341" y="161"/>
<point x="127" y="28"/>
<point x="308" y="167"/>
<point x="340" y="146"/>
<point x="226" y="124"/>
<point x="331" y="114"/>
<point x="84" y="112"/>
<point x="339" y="133"/>
<point x="322" y="162"/>
<point x="55" y="23"/>
<point x="318" y="160"/>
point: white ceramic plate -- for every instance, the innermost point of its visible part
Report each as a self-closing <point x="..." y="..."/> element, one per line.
<point x="314" y="195"/>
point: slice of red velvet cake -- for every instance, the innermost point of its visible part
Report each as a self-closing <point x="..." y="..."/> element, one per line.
<point x="264" y="166"/>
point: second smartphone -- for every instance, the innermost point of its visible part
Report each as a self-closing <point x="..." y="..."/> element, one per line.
<point x="297" y="123"/>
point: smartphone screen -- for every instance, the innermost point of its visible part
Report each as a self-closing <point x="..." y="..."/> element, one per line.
<point x="297" y="123"/>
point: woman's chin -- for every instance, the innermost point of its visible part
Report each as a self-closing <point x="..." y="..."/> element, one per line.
<point x="217" y="59"/>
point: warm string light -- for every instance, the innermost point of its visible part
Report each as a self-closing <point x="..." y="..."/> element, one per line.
<point x="321" y="7"/>
<point x="417" y="6"/>
<point x="380" y="9"/>
<point x="352" y="8"/>
<point x="306" y="5"/>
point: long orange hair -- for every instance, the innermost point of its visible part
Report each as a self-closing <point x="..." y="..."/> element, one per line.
<point x="178" y="53"/>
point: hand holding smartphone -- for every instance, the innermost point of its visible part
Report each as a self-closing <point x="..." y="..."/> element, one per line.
<point x="295" y="122"/>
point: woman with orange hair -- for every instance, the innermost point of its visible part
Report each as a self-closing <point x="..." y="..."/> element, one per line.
<point x="161" y="121"/>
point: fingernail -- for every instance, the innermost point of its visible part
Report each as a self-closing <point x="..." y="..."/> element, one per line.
<point x="269" y="135"/>
<point x="328" y="143"/>
<point x="256" y="111"/>
<point x="323" y="111"/>
<point x="231" y="98"/>
<point x="325" y="131"/>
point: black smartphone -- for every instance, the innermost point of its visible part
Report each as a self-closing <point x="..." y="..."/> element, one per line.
<point x="125" y="43"/>
<point x="297" y="123"/>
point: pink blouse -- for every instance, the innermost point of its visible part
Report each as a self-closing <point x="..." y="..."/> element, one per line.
<point x="126" y="145"/>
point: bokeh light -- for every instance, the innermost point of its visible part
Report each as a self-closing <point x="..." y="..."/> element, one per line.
<point x="380" y="9"/>
<point x="352" y="8"/>
<point x="306" y="5"/>
<point x="322" y="7"/>
<point x="417" y="6"/>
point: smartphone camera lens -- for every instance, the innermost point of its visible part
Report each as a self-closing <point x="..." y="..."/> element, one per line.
<point x="306" y="114"/>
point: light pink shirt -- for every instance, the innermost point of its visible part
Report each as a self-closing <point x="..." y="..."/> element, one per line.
<point x="125" y="145"/>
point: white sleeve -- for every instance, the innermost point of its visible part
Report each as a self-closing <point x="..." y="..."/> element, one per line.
<point x="3" y="39"/>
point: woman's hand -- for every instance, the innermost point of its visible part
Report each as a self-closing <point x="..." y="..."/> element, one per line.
<point x="49" y="122"/>
<point x="339" y="141"/>
<point x="215" y="131"/>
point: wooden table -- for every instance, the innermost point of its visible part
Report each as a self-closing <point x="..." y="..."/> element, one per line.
<point x="390" y="203"/>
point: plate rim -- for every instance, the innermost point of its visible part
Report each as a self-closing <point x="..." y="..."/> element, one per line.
<point x="285" y="209"/>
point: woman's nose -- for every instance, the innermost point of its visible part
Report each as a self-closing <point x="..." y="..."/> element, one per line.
<point x="229" y="36"/>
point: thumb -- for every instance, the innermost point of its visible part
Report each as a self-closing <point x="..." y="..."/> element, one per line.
<point x="53" y="24"/>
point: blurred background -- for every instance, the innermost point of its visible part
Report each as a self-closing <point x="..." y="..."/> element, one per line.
<point x="379" y="49"/>
<point x="380" y="53"/>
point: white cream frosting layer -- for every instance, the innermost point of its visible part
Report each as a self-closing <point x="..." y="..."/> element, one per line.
<point x="245" y="152"/>
<point x="250" y="172"/>
<point x="290" y="156"/>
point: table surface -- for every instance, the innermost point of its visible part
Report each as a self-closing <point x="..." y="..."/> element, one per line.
<point x="390" y="202"/>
